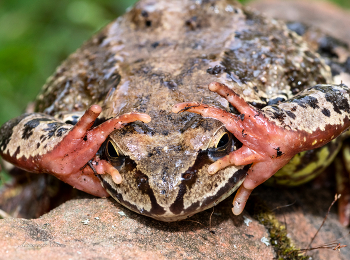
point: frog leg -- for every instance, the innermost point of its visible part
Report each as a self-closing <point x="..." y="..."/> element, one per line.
<point x="41" y="144"/>
<point x="273" y="135"/>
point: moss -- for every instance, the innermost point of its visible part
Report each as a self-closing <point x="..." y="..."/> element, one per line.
<point x="283" y="245"/>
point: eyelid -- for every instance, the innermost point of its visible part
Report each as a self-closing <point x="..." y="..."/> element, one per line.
<point x="225" y="133"/>
<point x="115" y="147"/>
<point x="213" y="136"/>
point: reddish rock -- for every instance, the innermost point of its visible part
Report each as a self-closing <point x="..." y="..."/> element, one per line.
<point x="90" y="228"/>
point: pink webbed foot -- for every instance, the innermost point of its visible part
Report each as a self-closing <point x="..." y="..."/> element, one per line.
<point x="267" y="144"/>
<point x="69" y="158"/>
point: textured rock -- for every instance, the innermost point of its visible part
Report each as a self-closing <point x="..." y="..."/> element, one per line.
<point x="100" y="228"/>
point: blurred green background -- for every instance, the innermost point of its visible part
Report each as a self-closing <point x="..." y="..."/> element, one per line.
<point x="36" y="35"/>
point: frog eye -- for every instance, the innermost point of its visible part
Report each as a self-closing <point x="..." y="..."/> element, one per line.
<point x="224" y="140"/>
<point x="114" y="154"/>
<point x="221" y="144"/>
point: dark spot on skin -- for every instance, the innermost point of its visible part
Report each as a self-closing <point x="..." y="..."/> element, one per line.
<point x="294" y="109"/>
<point x="243" y="134"/>
<point x="249" y="236"/>
<point x="43" y="138"/>
<point x="74" y="120"/>
<point x="51" y="128"/>
<point x="61" y="131"/>
<point x="241" y="117"/>
<point x="335" y="97"/>
<point x="163" y="192"/>
<point x="6" y="131"/>
<point x="312" y="102"/>
<point x="170" y="84"/>
<point x="18" y="150"/>
<point x="192" y="23"/>
<point x="275" y="101"/>
<point x="148" y="23"/>
<point x="155" y="44"/>
<point x="278" y="113"/>
<point x="279" y="152"/>
<point x="338" y="101"/>
<point x="290" y="114"/>
<point x="305" y="100"/>
<point x="85" y="138"/>
<point x="30" y="125"/>
<point x="218" y="69"/>
<point x="37" y="145"/>
<point x="255" y="88"/>
<point x="326" y="112"/>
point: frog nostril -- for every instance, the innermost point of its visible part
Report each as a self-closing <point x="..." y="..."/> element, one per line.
<point x="189" y="175"/>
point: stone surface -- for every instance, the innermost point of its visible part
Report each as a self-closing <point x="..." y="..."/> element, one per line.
<point x="93" y="228"/>
<point x="102" y="229"/>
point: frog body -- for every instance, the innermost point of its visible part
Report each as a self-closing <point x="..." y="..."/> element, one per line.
<point x="129" y="79"/>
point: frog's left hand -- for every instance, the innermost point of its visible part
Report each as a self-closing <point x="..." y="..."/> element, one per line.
<point x="273" y="135"/>
<point x="42" y="144"/>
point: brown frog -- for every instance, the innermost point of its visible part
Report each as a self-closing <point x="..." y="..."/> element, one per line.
<point x="143" y="80"/>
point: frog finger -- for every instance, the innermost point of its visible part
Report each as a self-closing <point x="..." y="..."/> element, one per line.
<point x="104" y="167"/>
<point x="257" y="174"/>
<point x="240" y="200"/>
<point x="232" y="122"/>
<point x="85" y="122"/>
<point x="110" y="125"/>
<point x="242" y="106"/>
<point x="242" y="156"/>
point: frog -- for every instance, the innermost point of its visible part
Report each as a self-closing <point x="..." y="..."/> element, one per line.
<point x="175" y="105"/>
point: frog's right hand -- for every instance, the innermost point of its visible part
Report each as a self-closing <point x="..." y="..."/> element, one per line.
<point x="40" y="143"/>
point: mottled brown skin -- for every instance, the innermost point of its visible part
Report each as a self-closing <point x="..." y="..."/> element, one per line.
<point x="157" y="55"/>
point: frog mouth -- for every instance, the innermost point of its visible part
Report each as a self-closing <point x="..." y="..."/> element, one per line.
<point x="180" y="208"/>
<point x="176" y="195"/>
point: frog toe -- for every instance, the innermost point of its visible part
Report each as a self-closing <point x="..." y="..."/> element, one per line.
<point x="40" y="143"/>
<point x="271" y="136"/>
